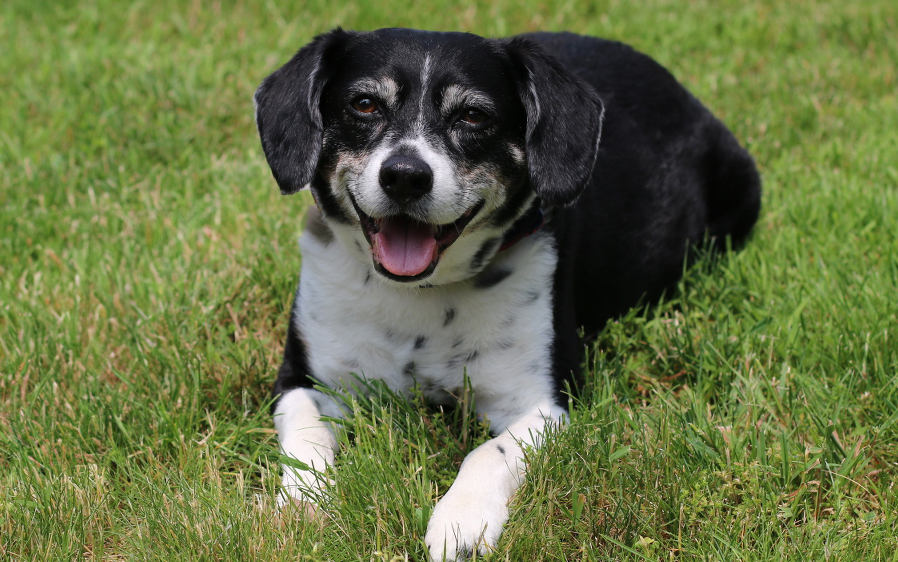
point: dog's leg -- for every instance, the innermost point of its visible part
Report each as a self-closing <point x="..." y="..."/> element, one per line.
<point x="307" y="441"/>
<point x="472" y="513"/>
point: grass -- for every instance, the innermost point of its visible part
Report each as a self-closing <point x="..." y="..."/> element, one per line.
<point x="147" y="263"/>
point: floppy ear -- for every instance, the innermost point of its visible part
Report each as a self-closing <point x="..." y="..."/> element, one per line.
<point x="288" y="114"/>
<point x="564" y="123"/>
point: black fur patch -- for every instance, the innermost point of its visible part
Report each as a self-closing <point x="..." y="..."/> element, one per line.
<point x="488" y="248"/>
<point x="294" y="371"/>
<point x="491" y="277"/>
<point x="512" y="209"/>
<point x="329" y="204"/>
<point x="420" y="342"/>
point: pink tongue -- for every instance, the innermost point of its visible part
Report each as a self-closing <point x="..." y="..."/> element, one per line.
<point x="404" y="247"/>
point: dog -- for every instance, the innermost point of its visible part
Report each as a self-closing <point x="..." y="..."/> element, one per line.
<point x="479" y="202"/>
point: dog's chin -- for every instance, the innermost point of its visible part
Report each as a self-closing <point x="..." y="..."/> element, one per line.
<point x="404" y="249"/>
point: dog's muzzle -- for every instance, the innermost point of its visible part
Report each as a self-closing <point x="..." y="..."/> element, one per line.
<point x="406" y="249"/>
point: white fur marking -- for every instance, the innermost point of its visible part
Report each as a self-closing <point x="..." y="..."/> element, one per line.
<point x="516" y="153"/>
<point x="457" y="97"/>
<point x="306" y="439"/>
<point x="425" y="84"/>
<point x="531" y="85"/>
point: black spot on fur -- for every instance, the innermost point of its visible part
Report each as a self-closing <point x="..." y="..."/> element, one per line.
<point x="357" y="245"/>
<point x="455" y="361"/>
<point x="501" y="449"/>
<point x="409" y="369"/>
<point x="532" y="297"/>
<point x="488" y="247"/>
<point x="457" y="342"/>
<point x="420" y="342"/>
<point x="461" y="359"/>
<point x="367" y="278"/>
<point x="491" y="277"/>
<point x="449" y="316"/>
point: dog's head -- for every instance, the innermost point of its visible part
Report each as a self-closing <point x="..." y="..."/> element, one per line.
<point x="426" y="149"/>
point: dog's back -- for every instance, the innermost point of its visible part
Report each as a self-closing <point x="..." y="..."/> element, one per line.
<point x="668" y="174"/>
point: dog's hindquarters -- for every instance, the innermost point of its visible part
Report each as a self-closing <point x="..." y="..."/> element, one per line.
<point x="732" y="190"/>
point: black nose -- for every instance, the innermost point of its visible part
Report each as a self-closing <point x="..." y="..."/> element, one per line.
<point x="405" y="178"/>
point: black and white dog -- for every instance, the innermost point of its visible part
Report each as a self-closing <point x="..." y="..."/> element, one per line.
<point x="469" y="221"/>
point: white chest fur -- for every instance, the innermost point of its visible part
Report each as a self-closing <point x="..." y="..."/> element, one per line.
<point x="501" y="335"/>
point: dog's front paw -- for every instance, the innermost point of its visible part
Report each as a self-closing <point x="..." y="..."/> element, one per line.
<point x="464" y="522"/>
<point x="302" y="489"/>
<point x="305" y="508"/>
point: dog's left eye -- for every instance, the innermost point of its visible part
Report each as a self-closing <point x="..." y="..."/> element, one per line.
<point x="473" y="116"/>
<point x="364" y="104"/>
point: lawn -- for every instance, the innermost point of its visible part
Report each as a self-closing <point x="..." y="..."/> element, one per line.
<point x="147" y="262"/>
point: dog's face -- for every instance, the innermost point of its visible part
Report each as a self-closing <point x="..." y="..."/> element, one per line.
<point x="423" y="149"/>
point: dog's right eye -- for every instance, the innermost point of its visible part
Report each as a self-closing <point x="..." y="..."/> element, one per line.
<point x="473" y="116"/>
<point x="364" y="104"/>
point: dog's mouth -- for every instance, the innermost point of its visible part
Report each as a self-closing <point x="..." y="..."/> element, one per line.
<point x="405" y="249"/>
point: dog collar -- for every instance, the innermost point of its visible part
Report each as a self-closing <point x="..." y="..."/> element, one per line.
<point x="531" y="222"/>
